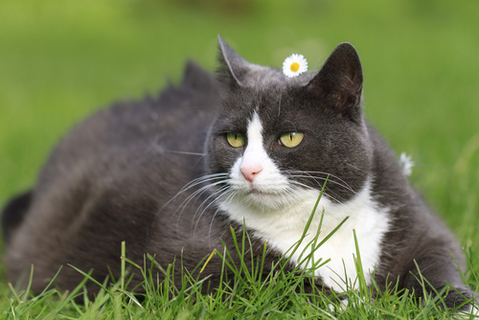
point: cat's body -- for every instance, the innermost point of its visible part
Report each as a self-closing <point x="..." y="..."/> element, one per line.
<point x="163" y="175"/>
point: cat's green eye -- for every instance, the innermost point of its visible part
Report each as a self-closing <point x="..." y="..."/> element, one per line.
<point x="291" y="139"/>
<point x="236" y="140"/>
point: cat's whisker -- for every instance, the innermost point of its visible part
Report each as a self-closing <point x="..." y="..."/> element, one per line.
<point x="228" y="198"/>
<point x="196" y="194"/>
<point x="212" y="221"/>
<point x="305" y="186"/>
<point x="212" y="195"/>
<point x="330" y="180"/>
<point x="202" y="179"/>
<point x="319" y="183"/>
<point x="194" y="183"/>
<point x="191" y="184"/>
<point x="217" y="194"/>
<point x="357" y="194"/>
<point x="185" y="152"/>
<point x="309" y="174"/>
<point x="305" y="174"/>
<point x="204" y="188"/>
<point x="330" y="175"/>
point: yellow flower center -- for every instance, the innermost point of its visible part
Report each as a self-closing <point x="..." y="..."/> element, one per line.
<point x="294" y="66"/>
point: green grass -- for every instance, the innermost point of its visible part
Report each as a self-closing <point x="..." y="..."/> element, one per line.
<point x="249" y="294"/>
<point x="61" y="60"/>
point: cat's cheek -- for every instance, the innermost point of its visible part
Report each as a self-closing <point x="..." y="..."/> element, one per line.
<point x="293" y="159"/>
<point x="223" y="156"/>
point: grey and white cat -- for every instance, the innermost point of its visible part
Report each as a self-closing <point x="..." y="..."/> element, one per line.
<point x="170" y="175"/>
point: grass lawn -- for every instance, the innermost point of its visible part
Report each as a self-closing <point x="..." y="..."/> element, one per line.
<point x="61" y="60"/>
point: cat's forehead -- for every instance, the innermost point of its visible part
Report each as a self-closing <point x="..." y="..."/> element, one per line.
<point x="266" y="88"/>
<point x="275" y="105"/>
<point x="266" y="78"/>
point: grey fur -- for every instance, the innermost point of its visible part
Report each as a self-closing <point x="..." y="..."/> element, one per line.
<point x="117" y="176"/>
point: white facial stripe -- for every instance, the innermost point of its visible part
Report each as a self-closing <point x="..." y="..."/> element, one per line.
<point x="254" y="156"/>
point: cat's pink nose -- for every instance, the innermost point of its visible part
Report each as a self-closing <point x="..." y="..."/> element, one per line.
<point x="249" y="173"/>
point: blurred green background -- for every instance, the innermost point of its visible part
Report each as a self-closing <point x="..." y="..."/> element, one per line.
<point x="62" y="60"/>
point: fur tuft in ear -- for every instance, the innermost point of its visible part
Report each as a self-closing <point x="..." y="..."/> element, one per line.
<point x="232" y="66"/>
<point x="339" y="83"/>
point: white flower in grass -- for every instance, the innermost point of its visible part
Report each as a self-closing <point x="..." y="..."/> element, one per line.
<point x="294" y="65"/>
<point x="406" y="164"/>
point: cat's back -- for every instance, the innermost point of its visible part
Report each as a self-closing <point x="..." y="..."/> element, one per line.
<point x="115" y="169"/>
<point x="130" y="136"/>
<point x="176" y="116"/>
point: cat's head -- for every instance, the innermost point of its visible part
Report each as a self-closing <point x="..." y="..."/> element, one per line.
<point x="275" y="135"/>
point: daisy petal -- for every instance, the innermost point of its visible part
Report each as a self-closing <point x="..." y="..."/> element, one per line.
<point x="294" y="65"/>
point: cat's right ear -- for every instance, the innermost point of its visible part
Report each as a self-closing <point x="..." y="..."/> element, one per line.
<point x="233" y="67"/>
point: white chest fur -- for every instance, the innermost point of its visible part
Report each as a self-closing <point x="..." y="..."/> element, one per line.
<point x="278" y="211"/>
<point x="283" y="228"/>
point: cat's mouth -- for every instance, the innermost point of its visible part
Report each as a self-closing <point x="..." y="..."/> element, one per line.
<point x="260" y="197"/>
<point x="261" y="193"/>
<point x="256" y="191"/>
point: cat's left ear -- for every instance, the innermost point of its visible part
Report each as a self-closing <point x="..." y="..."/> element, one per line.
<point x="233" y="67"/>
<point x="339" y="83"/>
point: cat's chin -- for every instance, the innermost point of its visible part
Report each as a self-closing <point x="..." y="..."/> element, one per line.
<point x="261" y="200"/>
<point x="260" y="193"/>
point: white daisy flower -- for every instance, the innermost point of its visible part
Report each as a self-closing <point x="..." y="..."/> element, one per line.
<point x="294" y="65"/>
<point x="406" y="164"/>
